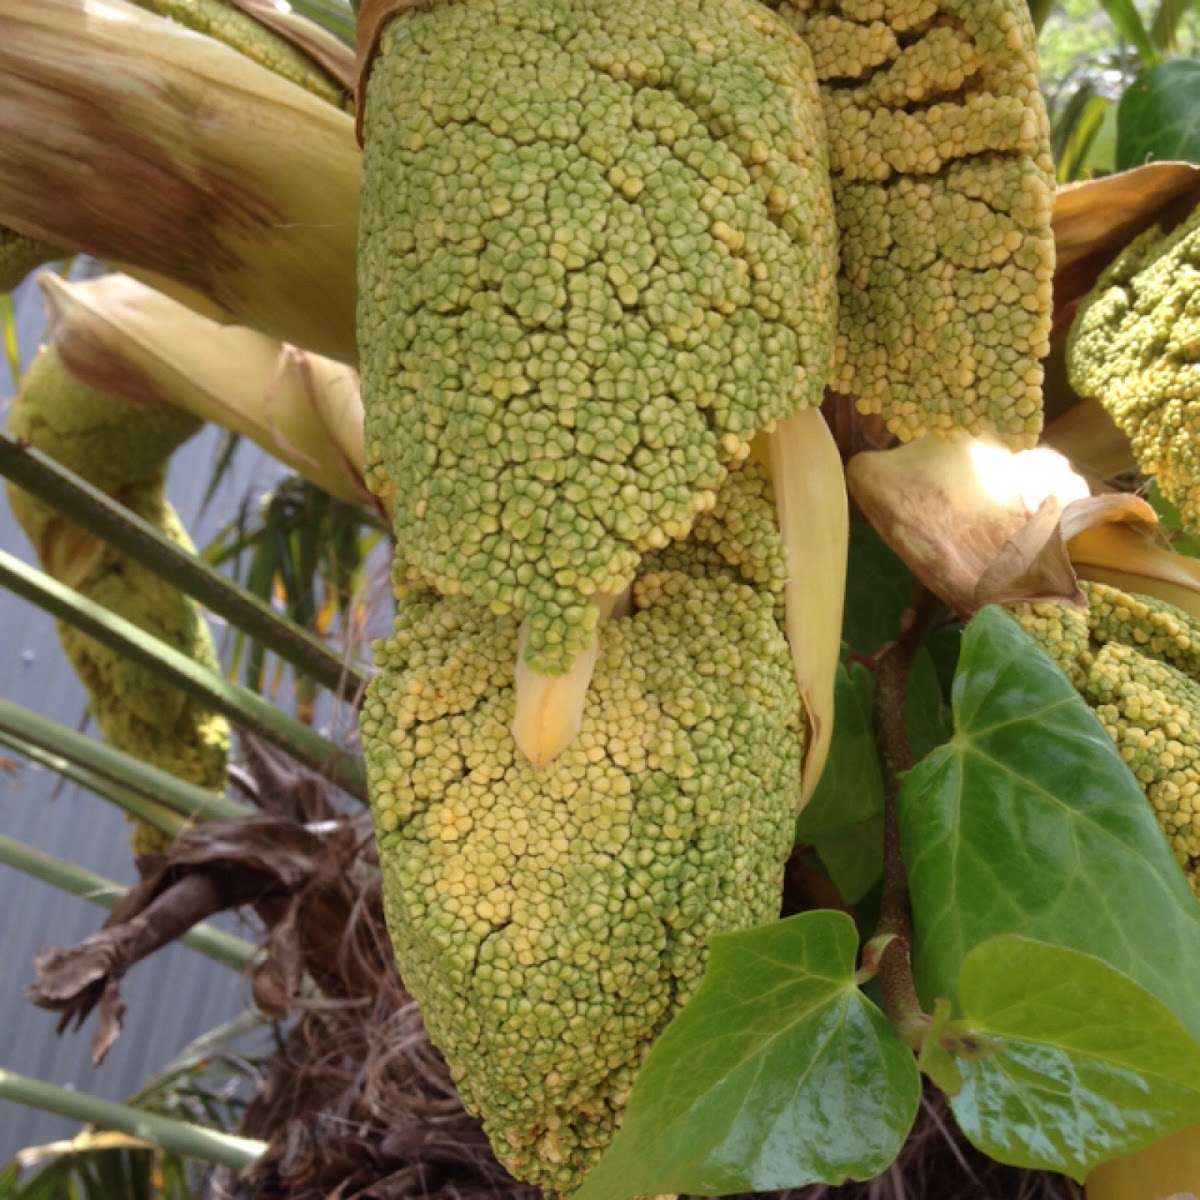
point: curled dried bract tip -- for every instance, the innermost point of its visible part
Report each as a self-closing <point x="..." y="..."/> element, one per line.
<point x="976" y="523"/>
<point x="1122" y="547"/>
<point x="549" y="708"/>
<point x="134" y="343"/>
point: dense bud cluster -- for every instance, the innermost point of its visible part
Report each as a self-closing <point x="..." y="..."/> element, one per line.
<point x="550" y="923"/>
<point x="943" y="189"/>
<point x="597" y="258"/>
<point x="599" y="255"/>
<point x="1135" y="346"/>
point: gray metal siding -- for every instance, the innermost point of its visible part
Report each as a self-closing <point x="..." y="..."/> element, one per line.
<point x="177" y="994"/>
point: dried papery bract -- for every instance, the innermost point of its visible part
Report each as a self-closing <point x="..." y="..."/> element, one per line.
<point x="132" y="139"/>
<point x="810" y="499"/>
<point x="978" y="524"/>
<point x="1096" y="219"/>
<point x="1117" y="540"/>
<point x="974" y="522"/>
<point x="131" y="341"/>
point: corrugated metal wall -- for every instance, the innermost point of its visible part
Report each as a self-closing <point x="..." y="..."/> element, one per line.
<point x="177" y="994"/>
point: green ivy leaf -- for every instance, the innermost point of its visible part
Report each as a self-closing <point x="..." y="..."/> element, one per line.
<point x="1171" y="519"/>
<point x="778" y="1073"/>
<point x="944" y="646"/>
<point x="1158" y="119"/>
<point x="927" y="717"/>
<point x="843" y="821"/>
<point x="879" y="588"/>
<point x="1091" y="1066"/>
<point x="1029" y="822"/>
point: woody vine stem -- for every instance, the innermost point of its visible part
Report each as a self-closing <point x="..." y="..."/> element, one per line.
<point x="892" y="942"/>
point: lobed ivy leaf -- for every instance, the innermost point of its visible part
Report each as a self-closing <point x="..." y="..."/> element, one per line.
<point x="1029" y="822"/>
<point x="1158" y="118"/>
<point x="1090" y="1065"/>
<point x="777" y="1074"/>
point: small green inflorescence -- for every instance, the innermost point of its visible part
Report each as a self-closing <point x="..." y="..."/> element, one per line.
<point x="943" y="187"/>
<point x="597" y="257"/>
<point x="124" y="450"/>
<point x="223" y="21"/>
<point x="1135" y="347"/>
<point x="550" y="923"/>
<point x="1136" y="661"/>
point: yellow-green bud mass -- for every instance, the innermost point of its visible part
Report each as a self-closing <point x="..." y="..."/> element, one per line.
<point x="1136" y="661"/>
<point x="225" y="22"/>
<point x="1135" y="347"/>
<point x="122" y="449"/>
<point x="550" y="923"/>
<point x="943" y="188"/>
<point x="598" y="255"/>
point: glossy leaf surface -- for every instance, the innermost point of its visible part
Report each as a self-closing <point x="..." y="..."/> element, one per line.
<point x="777" y="1074"/>
<point x="1157" y="116"/>
<point x="1089" y="1065"/>
<point x="1028" y="822"/>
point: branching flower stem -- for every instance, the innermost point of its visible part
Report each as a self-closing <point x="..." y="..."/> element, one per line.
<point x="894" y="931"/>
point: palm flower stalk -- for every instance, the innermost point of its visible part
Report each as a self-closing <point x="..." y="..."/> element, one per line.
<point x="208" y="1145"/>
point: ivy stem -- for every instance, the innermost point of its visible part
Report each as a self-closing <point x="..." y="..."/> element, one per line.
<point x="894" y="931"/>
